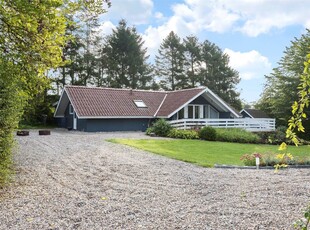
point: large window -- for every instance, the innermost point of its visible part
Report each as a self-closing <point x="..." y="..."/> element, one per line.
<point x="194" y="111"/>
<point x="214" y="113"/>
<point x="206" y="111"/>
<point x="181" y="114"/>
<point x="197" y="111"/>
<point x="190" y="111"/>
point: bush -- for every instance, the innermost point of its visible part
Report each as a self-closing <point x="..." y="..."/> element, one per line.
<point x="276" y="137"/>
<point x="183" y="134"/>
<point x="161" y="128"/>
<point x="208" y="133"/>
<point x="149" y="130"/>
<point x="236" y="135"/>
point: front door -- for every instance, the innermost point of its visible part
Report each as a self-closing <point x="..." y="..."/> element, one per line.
<point x="74" y="120"/>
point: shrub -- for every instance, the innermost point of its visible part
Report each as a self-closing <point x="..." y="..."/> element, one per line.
<point x="149" y="130"/>
<point x="183" y="134"/>
<point x="161" y="128"/>
<point x="236" y="135"/>
<point x="276" y="137"/>
<point x="208" y="133"/>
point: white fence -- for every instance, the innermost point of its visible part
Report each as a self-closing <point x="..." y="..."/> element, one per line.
<point x="250" y="124"/>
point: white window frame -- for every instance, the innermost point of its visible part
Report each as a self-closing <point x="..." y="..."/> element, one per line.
<point x="201" y="111"/>
<point x="140" y="103"/>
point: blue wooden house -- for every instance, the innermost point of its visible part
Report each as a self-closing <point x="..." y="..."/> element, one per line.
<point x="94" y="109"/>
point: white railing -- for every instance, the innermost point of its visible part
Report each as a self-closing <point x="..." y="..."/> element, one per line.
<point x="250" y="124"/>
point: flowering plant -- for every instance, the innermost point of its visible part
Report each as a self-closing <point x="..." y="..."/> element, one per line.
<point x="249" y="159"/>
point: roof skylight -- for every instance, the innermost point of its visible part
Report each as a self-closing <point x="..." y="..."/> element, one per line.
<point x="140" y="103"/>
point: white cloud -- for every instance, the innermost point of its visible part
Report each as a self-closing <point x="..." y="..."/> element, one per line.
<point x="137" y="12"/>
<point x="159" y="15"/>
<point x="251" y="65"/>
<point x="106" y="28"/>
<point x="251" y="17"/>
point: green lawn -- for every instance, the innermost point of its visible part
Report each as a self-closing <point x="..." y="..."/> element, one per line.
<point x="206" y="153"/>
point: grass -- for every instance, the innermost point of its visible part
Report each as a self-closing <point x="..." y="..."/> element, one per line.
<point x="206" y="153"/>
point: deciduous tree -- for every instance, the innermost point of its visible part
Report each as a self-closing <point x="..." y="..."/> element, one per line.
<point x="32" y="34"/>
<point x="281" y="88"/>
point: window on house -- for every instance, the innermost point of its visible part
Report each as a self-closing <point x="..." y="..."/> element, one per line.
<point x="190" y="111"/>
<point x="197" y="112"/>
<point x="140" y="104"/>
<point x="214" y="113"/>
<point x="71" y="109"/>
<point x="181" y="114"/>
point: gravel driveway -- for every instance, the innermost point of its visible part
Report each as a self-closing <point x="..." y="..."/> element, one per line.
<point x="74" y="180"/>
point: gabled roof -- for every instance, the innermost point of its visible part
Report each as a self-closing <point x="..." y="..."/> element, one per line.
<point x="95" y="102"/>
<point x="255" y="113"/>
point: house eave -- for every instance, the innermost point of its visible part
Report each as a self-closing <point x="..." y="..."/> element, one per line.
<point x="116" y="117"/>
<point x="243" y="110"/>
<point x="223" y="103"/>
<point x="185" y="104"/>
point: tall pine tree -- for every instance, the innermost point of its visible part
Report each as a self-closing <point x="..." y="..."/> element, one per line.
<point x="170" y="63"/>
<point x="192" y="60"/>
<point x="216" y="74"/>
<point x="125" y="59"/>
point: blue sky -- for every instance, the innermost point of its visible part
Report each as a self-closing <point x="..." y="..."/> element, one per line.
<point x="254" y="33"/>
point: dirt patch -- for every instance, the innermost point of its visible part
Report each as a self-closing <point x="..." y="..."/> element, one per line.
<point x="74" y="180"/>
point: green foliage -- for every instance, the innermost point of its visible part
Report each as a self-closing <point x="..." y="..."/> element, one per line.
<point x="304" y="223"/>
<point x="125" y="59"/>
<point x="161" y="127"/>
<point x="299" y="108"/>
<point x="11" y="101"/>
<point x="170" y="63"/>
<point x="275" y="137"/>
<point x="216" y="73"/>
<point x="208" y="133"/>
<point x="183" y="134"/>
<point x="32" y="34"/>
<point x="39" y="110"/>
<point x="149" y="130"/>
<point x="282" y="85"/>
<point x="191" y="63"/>
<point x="236" y="135"/>
<point x="192" y="56"/>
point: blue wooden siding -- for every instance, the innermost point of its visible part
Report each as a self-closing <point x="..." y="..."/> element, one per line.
<point x="244" y="114"/>
<point x="108" y="125"/>
<point x="200" y="101"/>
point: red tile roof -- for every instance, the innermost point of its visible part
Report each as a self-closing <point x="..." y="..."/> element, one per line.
<point x="110" y="102"/>
<point x="176" y="99"/>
